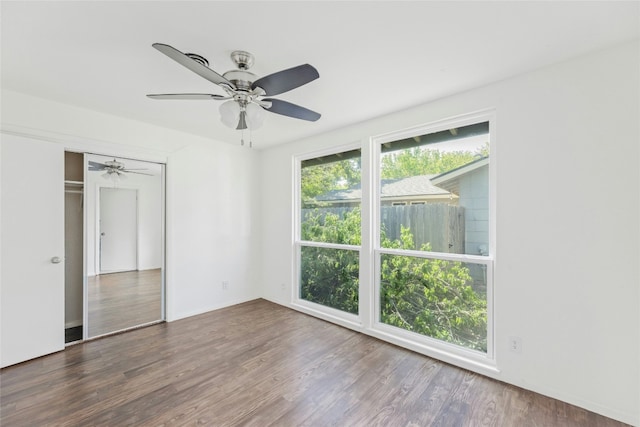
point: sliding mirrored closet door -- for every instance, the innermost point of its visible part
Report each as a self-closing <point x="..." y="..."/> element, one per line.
<point x="124" y="244"/>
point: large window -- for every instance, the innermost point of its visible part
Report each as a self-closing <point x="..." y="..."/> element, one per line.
<point x="330" y="232"/>
<point x="407" y="247"/>
<point x="433" y="252"/>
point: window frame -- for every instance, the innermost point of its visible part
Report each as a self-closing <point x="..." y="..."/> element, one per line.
<point x="413" y="339"/>
<point x="368" y="319"/>
<point x="332" y="314"/>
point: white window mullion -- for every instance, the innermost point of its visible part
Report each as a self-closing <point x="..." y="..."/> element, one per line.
<point x="367" y="276"/>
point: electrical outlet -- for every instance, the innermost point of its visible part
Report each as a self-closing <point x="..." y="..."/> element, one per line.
<point x="225" y="284"/>
<point x="283" y="287"/>
<point x="515" y="344"/>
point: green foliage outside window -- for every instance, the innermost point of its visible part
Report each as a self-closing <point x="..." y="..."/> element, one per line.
<point x="419" y="161"/>
<point x="330" y="277"/>
<point x="431" y="297"/>
<point x="427" y="296"/>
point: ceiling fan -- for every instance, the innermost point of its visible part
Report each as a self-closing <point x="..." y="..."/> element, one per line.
<point x="114" y="169"/>
<point x="247" y="95"/>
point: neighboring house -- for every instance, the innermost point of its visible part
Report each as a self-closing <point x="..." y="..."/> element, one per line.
<point x="415" y="190"/>
<point x="470" y="183"/>
<point x="466" y="186"/>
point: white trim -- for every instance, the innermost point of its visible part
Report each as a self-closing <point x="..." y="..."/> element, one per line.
<point x="328" y="245"/>
<point x="366" y="304"/>
<point x="80" y="144"/>
<point x="85" y="245"/>
<point x="476" y="259"/>
<point x="163" y="243"/>
<point x="331" y="314"/>
<point x="441" y="350"/>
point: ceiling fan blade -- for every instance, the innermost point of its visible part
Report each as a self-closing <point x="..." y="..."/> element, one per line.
<point x="292" y="110"/>
<point x="139" y="173"/>
<point x="188" y="96"/>
<point x="95" y="166"/>
<point x="191" y="64"/>
<point x="285" y="80"/>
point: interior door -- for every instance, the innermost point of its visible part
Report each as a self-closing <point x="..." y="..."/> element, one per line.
<point x="32" y="249"/>
<point x="118" y="230"/>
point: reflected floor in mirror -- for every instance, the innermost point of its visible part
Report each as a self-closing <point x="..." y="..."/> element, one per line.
<point x="123" y="300"/>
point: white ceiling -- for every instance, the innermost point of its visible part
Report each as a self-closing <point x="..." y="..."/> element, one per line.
<point x="373" y="57"/>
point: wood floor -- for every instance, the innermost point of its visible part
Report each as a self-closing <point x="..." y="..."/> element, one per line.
<point x="261" y="364"/>
<point x="122" y="300"/>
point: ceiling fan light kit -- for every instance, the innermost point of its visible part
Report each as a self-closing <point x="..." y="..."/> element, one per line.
<point x="114" y="176"/>
<point x="245" y="104"/>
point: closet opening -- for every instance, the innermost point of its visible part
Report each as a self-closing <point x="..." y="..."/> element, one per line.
<point x="73" y="246"/>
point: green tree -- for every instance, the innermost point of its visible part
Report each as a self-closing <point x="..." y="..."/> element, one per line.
<point x="420" y="161"/>
<point x="319" y="179"/>
<point x="431" y="297"/>
<point x="331" y="276"/>
<point x="427" y="296"/>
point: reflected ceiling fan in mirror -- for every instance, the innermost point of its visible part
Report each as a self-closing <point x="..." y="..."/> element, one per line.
<point x="247" y="96"/>
<point x="114" y="170"/>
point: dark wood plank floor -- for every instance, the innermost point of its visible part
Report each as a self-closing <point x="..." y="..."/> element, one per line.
<point x="123" y="300"/>
<point x="260" y="364"/>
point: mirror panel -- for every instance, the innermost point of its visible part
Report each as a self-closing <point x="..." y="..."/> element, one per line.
<point x="125" y="244"/>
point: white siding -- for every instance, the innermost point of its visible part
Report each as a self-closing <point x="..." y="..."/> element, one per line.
<point x="474" y="197"/>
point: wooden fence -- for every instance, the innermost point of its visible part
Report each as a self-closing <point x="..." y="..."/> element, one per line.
<point x="439" y="224"/>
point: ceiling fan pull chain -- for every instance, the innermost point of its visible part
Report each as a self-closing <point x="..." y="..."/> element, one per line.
<point x="250" y="138"/>
<point x="242" y="138"/>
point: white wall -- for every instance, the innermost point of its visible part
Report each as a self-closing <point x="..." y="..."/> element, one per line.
<point x="213" y="197"/>
<point x="210" y="191"/>
<point x="567" y="251"/>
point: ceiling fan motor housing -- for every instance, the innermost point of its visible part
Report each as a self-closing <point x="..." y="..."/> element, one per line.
<point x="242" y="79"/>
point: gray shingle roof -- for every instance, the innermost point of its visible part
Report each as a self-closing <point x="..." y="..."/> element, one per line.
<point x="413" y="186"/>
